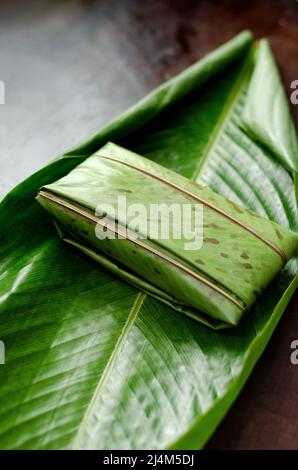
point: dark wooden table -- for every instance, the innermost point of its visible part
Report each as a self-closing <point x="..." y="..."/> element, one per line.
<point x="70" y="66"/>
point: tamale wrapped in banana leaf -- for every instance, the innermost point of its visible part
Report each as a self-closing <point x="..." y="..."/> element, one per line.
<point x="214" y="278"/>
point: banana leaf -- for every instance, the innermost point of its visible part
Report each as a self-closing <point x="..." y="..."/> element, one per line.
<point x="92" y="362"/>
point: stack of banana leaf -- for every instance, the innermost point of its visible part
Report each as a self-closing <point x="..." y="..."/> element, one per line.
<point x="96" y="362"/>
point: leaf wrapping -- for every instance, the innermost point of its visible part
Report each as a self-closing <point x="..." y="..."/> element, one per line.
<point x="240" y="253"/>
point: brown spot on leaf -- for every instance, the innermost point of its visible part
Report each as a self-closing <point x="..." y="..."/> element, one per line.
<point x="244" y="255"/>
<point x="224" y="255"/>
<point x="157" y="271"/>
<point x="199" y="261"/>
<point x="213" y="241"/>
<point x="246" y="265"/>
<point x="252" y="213"/>
<point x="211" y="225"/>
<point x="236" y="207"/>
<point x="221" y="270"/>
<point x="279" y="235"/>
<point x="122" y="190"/>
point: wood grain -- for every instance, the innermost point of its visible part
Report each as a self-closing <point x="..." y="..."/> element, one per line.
<point x="70" y="66"/>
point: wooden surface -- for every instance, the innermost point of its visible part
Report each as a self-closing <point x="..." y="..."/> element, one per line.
<point x="70" y="66"/>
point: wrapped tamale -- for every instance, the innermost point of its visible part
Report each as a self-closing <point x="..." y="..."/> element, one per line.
<point x="214" y="277"/>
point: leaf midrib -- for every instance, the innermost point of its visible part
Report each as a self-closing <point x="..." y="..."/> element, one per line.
<point x="113" y="357"/>
<point x="225" y="114"/>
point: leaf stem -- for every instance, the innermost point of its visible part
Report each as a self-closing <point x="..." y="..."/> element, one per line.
<point x="231" y="101"/>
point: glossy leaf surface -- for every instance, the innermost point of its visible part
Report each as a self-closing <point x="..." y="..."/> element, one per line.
<point x="93" y="363"/>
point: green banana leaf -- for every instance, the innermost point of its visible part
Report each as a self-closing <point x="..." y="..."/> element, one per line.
<point x="91" y="362"/>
